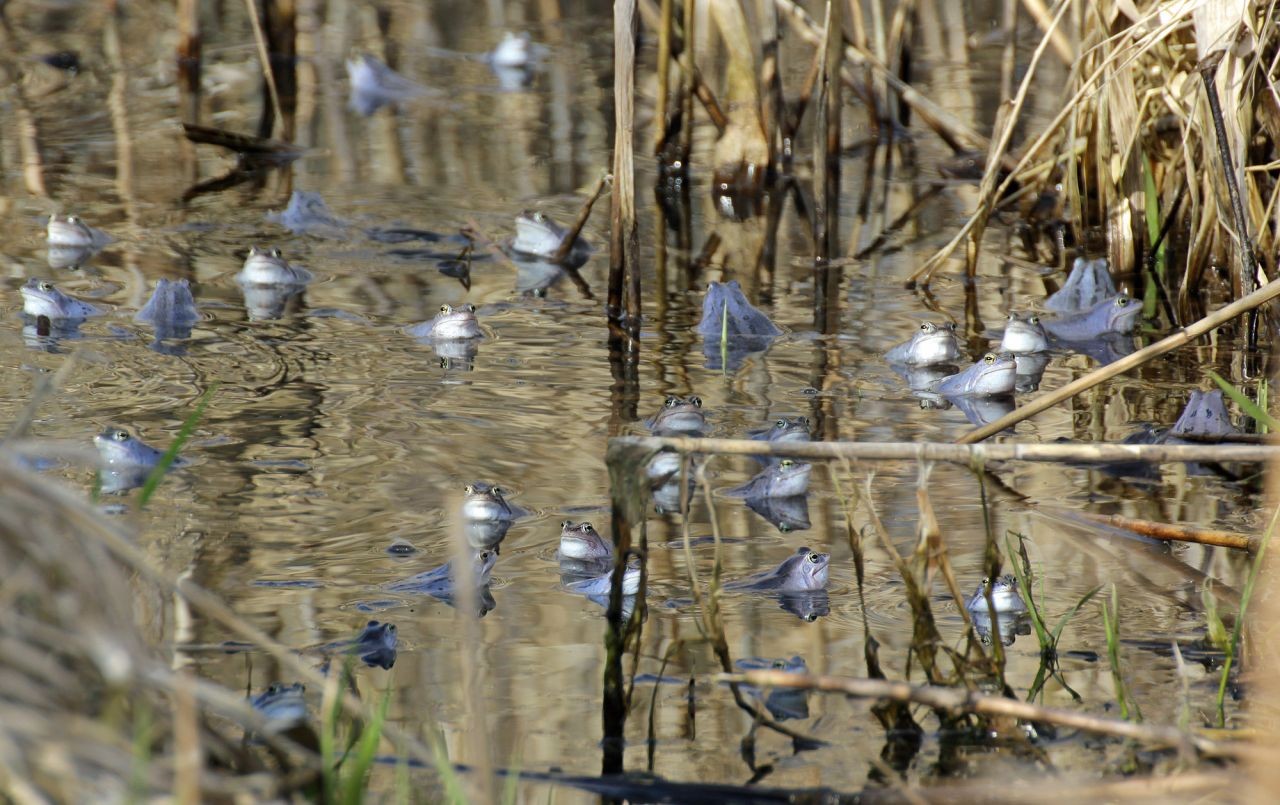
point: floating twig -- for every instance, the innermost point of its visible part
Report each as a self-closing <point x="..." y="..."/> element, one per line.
<point x="571" y="237"/>
<point x="1175" y="533"/>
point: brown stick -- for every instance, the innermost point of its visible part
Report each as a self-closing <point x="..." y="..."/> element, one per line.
<point x="957" y="701"/>
<point x="1214" y="320"/>
<point x="1174" y="533"/>
<point x="571" y="237"/>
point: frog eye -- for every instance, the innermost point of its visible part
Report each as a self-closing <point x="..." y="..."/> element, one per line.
<point x="1122" y="300"/>
<point x="779" y="664"/>
<point x="1011" y="318"/>
<point x="468" y="308"/>
<point x="391" y="627"/>
<point x="471" y="490"/>
<point x="46" y="286"/>
<point x="484" y="555"/>
<point x="696" y="402"/>
<point x="120" y="435"/>
<point x="927" y="327"/>
<point x="566" y="524"/>
<point x="276" y="253"/>
<point x="814" y="558"/>
<point x="672" y="402"/>
<point x="986" y="580"/>
<point x="498" y="491"/>
<point x="446" y="309"/>
<point x="587" y="528"/>
<point x="784" y="529"/>
<point x="1034" y="319"/>
<point x="786" y="464"/>
<point x="989" y="358"/>
<point x="781" y="423"/>
<point x="273" y="688"/>
<point x="73" y="219"/>
<point x="539" y="217"/>
<point x="804" y="420"/>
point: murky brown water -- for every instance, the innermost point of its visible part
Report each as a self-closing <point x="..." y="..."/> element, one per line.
<point x="332" y="433"/>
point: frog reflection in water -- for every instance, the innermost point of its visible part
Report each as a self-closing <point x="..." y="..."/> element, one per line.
<point x="441" y="582"/>
<point x="990" y="376"/>
<point x="803" y="571"/>
<point x="41" y="298"/>
<point x="678" y="416"/>
<point x="930" y="345"/>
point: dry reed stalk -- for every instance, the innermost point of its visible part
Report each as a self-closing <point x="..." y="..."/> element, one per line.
<point x="962" y="702"/>
<point x="264" y="55"/>
<point x="963" y="453"/>
<point x="666" y="31"/>
<point x="624" y="245"/>
<point x="1186" y="335"/>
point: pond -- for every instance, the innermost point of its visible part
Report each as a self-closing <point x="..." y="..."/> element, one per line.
<point x="332" y="434"/>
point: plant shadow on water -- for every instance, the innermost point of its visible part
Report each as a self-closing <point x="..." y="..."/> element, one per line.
<point x="421" y="348"/>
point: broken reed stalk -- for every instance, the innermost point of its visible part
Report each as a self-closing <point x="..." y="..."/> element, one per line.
<point x="665" y="32"/>
<point x="957" y="453"/>
<point x="571" y="236"/>
<point x="624" y="244"/>
<point x="1173" y="533"/>
<point x="961" y="702"/>
<point x="1211" y="322"/>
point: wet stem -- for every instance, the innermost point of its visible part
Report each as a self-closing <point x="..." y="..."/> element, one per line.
<point x="1110" y="622"/>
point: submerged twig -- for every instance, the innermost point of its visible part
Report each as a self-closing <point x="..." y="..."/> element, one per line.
<point x="1175" y="533"/>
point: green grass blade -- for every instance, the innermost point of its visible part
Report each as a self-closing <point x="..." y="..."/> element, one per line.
<point x="354" y="778"/>
<point x="1263" y="402"/>
<point x="1020" y="572"/>
<point x="1069" y="614"/>
<point x="184" y="433"/>
<point x="1247" y="405"/>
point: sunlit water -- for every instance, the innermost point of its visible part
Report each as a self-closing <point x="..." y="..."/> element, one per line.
<point x="333" y="434"/>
